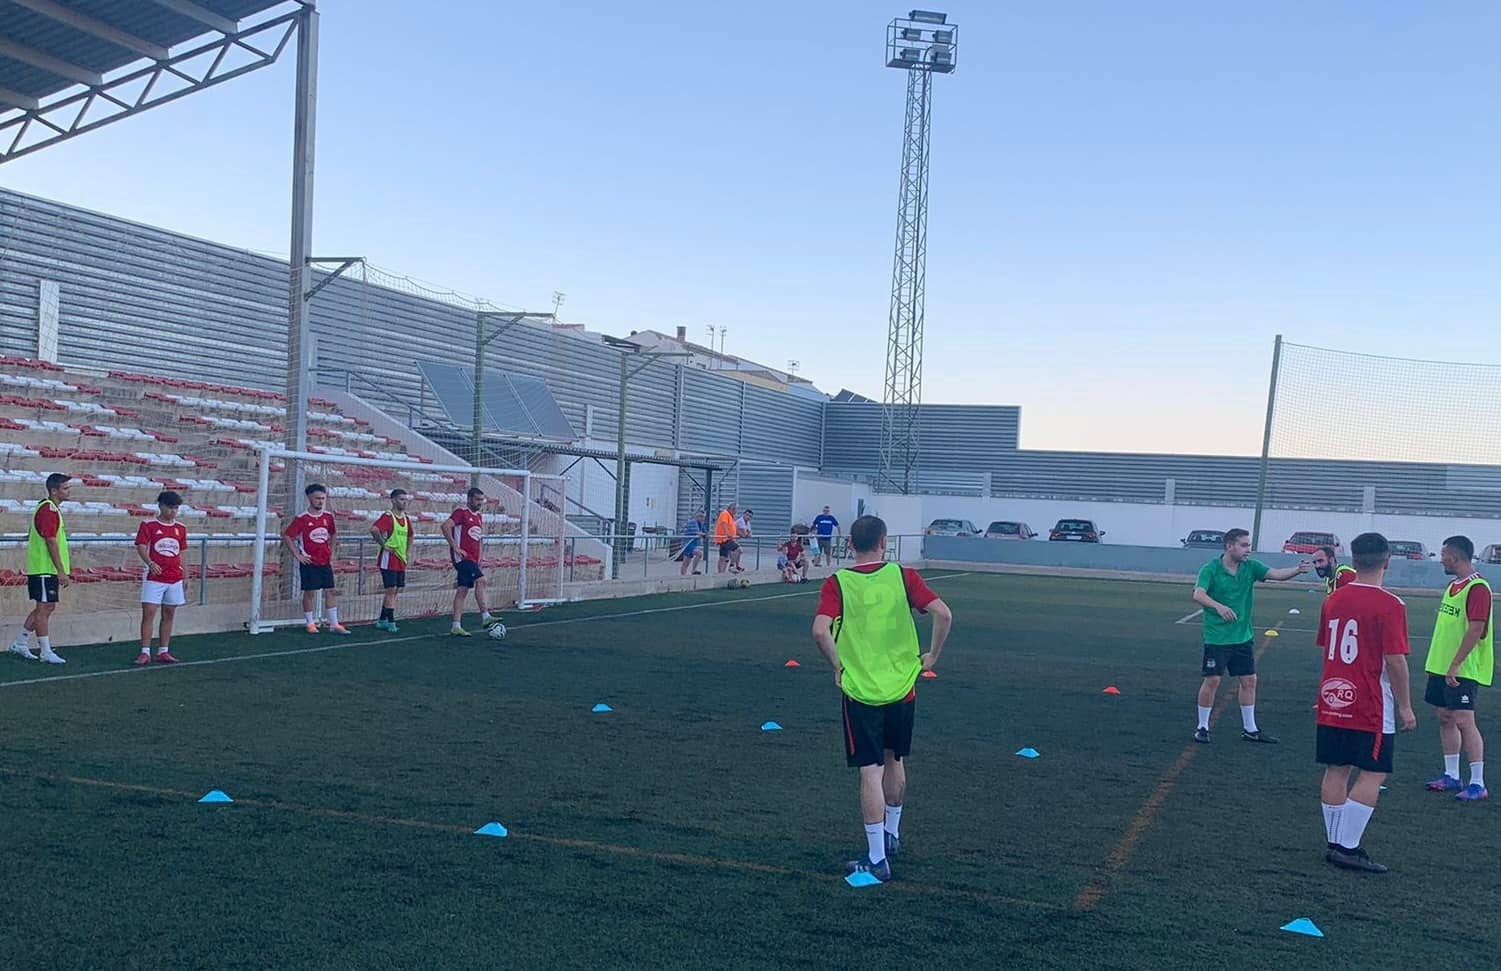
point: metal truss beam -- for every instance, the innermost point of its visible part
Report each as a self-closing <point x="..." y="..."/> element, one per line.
<point x="70" y="116"/>
<point x="95" y="28"/>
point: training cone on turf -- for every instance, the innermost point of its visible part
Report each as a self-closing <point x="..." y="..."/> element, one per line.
<point x="771" y="727"/>
<point x="492" y="829"/>
<point x="1112" y="690"/>
<point x="1271" y="633"/>
<point x="1294" y="612"/>
<point x="216" y="796"/>
<point x="930" y="675"/>
<point x="598" y="709"/>
<point x="1028" y="753"/>
<point x="792" y="664"/>
<point x="863" y="879"/>
<point x="1303" y="926"/>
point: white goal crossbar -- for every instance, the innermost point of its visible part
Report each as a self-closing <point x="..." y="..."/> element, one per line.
<point x="542" y="589"/>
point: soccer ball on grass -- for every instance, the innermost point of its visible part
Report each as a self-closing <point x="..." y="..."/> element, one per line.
<point x="497" y="630"/>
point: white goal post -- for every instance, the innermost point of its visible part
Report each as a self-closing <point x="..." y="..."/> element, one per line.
<point x="523" y="549"/>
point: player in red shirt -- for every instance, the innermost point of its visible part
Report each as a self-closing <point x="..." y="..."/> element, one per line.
<point x="465" y="532"/>
<point x="875" y="652"/>
<point x="393" y="532"/>
<point x="311" y="538"/>
<point x="1326" y="564"/>
<point x="1364" y="697"/>
<point x="160" y="543"/>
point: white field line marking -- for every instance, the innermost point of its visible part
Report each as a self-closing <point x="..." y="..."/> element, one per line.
<point x="1184" y="620"/>
<point x="414" y="637"/>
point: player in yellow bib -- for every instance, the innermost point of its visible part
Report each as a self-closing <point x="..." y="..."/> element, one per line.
<point x="49" y="571"/>
<point x="1461" y="661"/>
<point x="393" y="531"/>
<point x="866" y="630"/>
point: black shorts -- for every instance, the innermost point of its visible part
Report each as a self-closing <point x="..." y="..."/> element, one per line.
<point x="315" y="577"/>
<point x="726" y="548"/>
<point x="1440" y="695"/>
<point x="42" y="587"/>
<point x="1368" y="751"/>
<point x="870" y="731"/>
<point x="393" y="578"/>
<point x="469" y="572"/>
<point x="1236" y="660"/>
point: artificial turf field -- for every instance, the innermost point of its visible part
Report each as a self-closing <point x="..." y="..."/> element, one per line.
<point x="673" y="832"/>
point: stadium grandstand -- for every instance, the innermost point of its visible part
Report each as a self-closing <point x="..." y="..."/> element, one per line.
<point x="698" y="436"/>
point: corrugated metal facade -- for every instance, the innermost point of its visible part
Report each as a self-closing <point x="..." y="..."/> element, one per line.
<point x="970" y="439"/>
<point x="140" y="298"/>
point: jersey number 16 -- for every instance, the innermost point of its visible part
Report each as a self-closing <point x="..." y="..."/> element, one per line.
<point x="1346" y="643"/>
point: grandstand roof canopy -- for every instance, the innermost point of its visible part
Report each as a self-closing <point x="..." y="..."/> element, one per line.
<point x="68" y="66"/>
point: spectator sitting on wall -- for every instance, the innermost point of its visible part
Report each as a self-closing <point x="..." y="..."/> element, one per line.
<point x="693" y="548"/>
<point x="792" y="560"/>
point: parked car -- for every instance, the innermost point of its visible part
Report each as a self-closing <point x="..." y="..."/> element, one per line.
<point x="1076" y="531"/>
<point x="1205" y="539"/>
<point x="1491" y="554"/>
<point x="1406" y="549"/>
<point x="1003" y="529"/>
<point x="1307" y="542"/>
<point x="951" y="527"/>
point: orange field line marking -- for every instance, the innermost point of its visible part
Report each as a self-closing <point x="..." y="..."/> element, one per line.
<point x="1120" y="855"/>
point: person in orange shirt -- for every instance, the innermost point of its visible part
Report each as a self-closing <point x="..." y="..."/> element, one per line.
<point x="725" y="534"/>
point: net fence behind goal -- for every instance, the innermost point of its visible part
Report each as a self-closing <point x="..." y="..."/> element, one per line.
<point x="1380" y="435"/>
<point x="522" y="540"/>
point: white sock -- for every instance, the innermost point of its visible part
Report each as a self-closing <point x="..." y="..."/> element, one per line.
<point x="308" y="614"/>
<point x="162" y="649"/>
<point x="1477" y="778"/>
<point x="1352" y="823"/>
<point x="1451" y="765"/>
<point x="23" y="639"/>
<point x="1204" y="717"/>
<point x="458" y="623"/>
<point x="875" y="839"/>
<point x="485" y="616"/>
<point x="894" y="819"/>
<point x="146" y="649"/>
<point x="1331" y="822"/>
<point x="333" y="616"/>
<point x="1248" y="718"/>
<point x="45" y="643"/>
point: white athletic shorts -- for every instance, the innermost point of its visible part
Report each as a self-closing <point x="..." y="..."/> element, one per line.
<point x="166" y="594"/>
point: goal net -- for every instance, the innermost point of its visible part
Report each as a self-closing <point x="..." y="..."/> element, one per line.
<point x="522" y="541"/>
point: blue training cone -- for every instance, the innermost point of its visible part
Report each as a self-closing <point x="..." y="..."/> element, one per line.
<point x="1303" y="926"/>
<point x="597" y="709"/>
<point x="1028" y="753"/>
<point x="215" y="796"/>
<point x="863" y="879"/>
<point x="771" y="727"/>
<point x="492" y="829"/>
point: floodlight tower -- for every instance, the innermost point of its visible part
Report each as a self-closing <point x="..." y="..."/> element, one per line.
<point x="923" y="43"/>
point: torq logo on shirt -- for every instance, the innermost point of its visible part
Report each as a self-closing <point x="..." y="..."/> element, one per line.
<point x="167" y="546"/>
<point x="1338" y="693"/>
<point x="318" y="535"/>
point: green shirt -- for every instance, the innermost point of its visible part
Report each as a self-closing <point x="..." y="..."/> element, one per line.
<point x="1235" y="590"/>
<point x="876" y="636"/>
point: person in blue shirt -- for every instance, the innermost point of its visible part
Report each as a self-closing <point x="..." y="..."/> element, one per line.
<point x="825" y="526"/>
<point x="693" y="549"/>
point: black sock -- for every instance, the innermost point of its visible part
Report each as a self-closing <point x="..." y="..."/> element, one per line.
<point x="388" y="613"/>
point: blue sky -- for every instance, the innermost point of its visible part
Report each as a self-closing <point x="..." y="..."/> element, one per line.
<point x="1128" y="200"/>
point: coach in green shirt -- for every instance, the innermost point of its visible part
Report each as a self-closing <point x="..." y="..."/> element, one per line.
<point x="1226" y="589"/>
